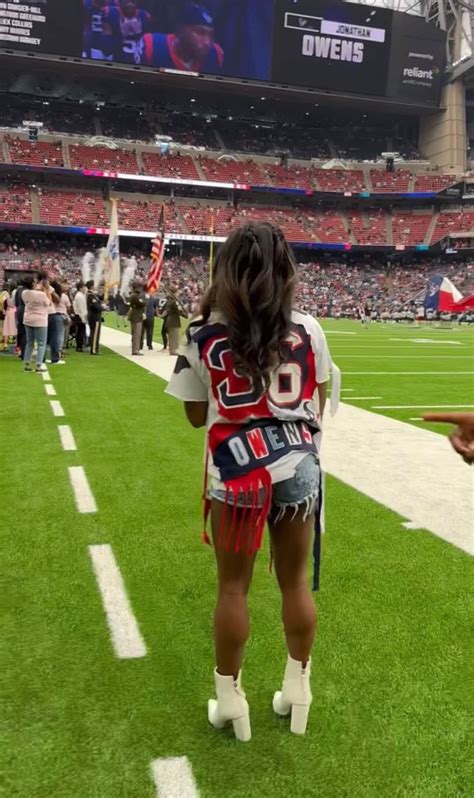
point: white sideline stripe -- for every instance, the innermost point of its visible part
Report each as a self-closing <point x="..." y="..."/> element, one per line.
<point x="127" y="640"/>
<point x="174" y="778"/>
<point x="339" y="332"/>
<point x="45" y="376"/>
<point x="406" y="373"/>
<point x="57" y="409"/>
<point x="410" y="525"/>
<point x="347" y="389"/>
<point x="361" y="398"/>
<point x="416" y="418"/>
<point x="83" y="497"/>
<point x="67" y="439"/>
<point x="405" y="467"/>
<point x="409" y="407"/>
<point x="50" y="389"/>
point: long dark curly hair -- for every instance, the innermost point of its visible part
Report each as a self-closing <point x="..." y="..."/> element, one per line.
<point x="253" y="286"/>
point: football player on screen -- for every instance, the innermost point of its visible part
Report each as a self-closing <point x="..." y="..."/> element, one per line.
<point x="191" y="49"/>
<point x="133" y="23"/>
<point x="101" y="20"/>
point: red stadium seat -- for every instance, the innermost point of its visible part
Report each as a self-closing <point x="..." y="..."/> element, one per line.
<point x="103" y="159"/>
<point x="180" y="167"/>
<point x="40" y="153"/>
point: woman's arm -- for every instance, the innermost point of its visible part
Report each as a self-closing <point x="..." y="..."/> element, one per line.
<point x="196" y="413"/>
<point x="322" y="395"/>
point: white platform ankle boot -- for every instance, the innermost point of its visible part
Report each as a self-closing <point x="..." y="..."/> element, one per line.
<point x="231" y="707"/>
<point x="295" y="695"/>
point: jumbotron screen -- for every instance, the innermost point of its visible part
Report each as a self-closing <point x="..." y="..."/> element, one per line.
<point x="321" y="44"/>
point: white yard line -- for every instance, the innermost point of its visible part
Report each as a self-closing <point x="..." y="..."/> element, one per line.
<point x="83" y="496"/>
<point x="57" y="409"/>
<point x="407" y="468"/>
<point x="126" y="637"/>
<point x="362" y="398"/>
<point x="347" y="390"/>
<point x="174" y="778"/>
<point x="426" y="406"/>
<point x="45" y="375"/>
<point x="67" y="439"/>
<point x="50" y="389"/>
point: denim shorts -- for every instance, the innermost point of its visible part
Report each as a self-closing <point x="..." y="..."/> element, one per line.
<point x="302" y="489"/>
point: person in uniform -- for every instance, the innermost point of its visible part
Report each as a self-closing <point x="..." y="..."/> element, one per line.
<point x="94" y="316"/>
<point x="135" y="316"/>
<point x="172" y="315"/>
<point x="191" y="49"/>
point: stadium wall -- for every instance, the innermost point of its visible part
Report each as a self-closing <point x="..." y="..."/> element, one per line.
<point x="443" y="138"/>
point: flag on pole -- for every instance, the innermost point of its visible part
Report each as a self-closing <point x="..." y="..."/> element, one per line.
<point x="112" y="253"/>
<point x="157" y="257"/>
<point x="211" y="248"/>
<point x="441" y="295"/>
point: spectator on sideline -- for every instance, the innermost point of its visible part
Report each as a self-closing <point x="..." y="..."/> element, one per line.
<point x="136" y="315"/>
<point x="164" y="331"/>
<point x="172" y="315"/>
<point x="462" y="439"/>
<point x="80" y="314"/>
<point x="260" y="468"/>
<point x="65" y="306"/>
<point x="94" y="316"/>
<point x="55" y="327"/>
<point x="152" y="307"/>
<point x="9" y="322"/>
<point x="27" y="282"/>
<point x="37" y="303"/>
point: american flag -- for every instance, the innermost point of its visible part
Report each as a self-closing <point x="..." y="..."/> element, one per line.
<point x="157" y="257"/>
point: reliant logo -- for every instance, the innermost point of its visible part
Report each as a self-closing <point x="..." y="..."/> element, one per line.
<point x="416" y="72"/>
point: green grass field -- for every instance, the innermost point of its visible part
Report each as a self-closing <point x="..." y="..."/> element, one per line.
<point x="390" y="712"/>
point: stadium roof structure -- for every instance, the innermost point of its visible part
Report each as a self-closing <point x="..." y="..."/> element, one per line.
<point x="456" y="17"/>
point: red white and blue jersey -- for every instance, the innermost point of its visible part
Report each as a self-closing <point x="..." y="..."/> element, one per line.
<point x="159" y="51"/>
<point x="101" y="25"/>
<point x="129" y="34"/>
<point x="271" y="431"/>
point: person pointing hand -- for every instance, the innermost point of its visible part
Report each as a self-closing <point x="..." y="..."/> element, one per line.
<point x="462" y="438"/>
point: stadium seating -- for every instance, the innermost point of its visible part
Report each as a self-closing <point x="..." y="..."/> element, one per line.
<point x="40" y="153"/>
<point x="103" y="159"/>
<point x="328" y="226"/>
<point x="410" y="228"/>
<point x="390" y="182"/>
<point x="340" y="180"/>
<point x="433" y="182"/>
<point x="180" y="167"/>
<point x="199" y="219"/>
<point x="70" y="208"/>
<point x="369" y="227"/>
<point x="453" y="222"/>
<point x="290" y="176"/>
<point x="231" y="171"/>
<point x="287" y="219"/>
<point x="15" y="204"/>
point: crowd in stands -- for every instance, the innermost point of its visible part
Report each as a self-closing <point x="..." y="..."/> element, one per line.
<point x="263" y="132"/>
<point x="226" y="168"/>
<point x="327" y="287"/>
<point x="370" y="226"/>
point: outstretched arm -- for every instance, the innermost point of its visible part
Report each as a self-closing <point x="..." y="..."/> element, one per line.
<point x="462" y="438"/>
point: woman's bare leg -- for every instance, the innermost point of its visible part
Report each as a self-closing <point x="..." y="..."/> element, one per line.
<point x="231" y="619"/>
<point x="291" y="546"/>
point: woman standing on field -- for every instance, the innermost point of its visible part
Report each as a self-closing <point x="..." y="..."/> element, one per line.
<point x="254" y="371"/>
